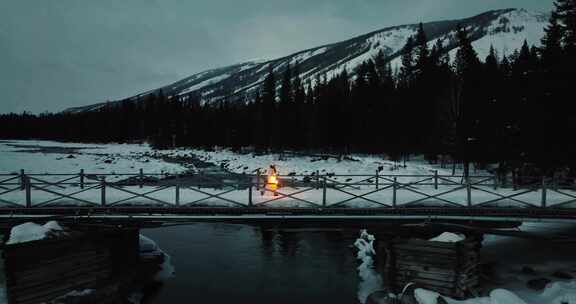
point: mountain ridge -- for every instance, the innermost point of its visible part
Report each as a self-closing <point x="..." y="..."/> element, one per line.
<point x="506" y="29"/>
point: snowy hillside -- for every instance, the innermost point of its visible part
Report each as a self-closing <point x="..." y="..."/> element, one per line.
<point x="505" y="29"/>
<point x="508" y="32"/>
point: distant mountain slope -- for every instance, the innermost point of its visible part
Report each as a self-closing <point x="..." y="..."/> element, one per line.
<point x="504" y="29"/>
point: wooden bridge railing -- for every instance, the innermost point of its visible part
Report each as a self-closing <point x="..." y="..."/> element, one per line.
<point x="26" y="190"/>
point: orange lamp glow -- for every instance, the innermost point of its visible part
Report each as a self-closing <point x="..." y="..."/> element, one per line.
<point x="272" y="182"/>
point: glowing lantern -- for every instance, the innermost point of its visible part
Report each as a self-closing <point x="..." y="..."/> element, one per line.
<point x="272" y="182"/>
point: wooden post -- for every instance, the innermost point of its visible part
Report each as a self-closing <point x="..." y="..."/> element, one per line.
<point x="543" y="192"/>
<point x="22" y="180"/>
<point x="495" y="178"/>
<point x="177" y="200"/>
<point x="81" y="178"/>
<point x="436" y="179"/>
<point x="177" y="190"/>
<point x="141" y="178"/>
<point x="324" y="192"/>
<point x="250" y="195"/>
<point x="317" y="179"/>
<point x="28" y="193"/>
<point x="103" y="191"/>
<point x="258" y="180"/>
<point x="469" y="193"/>
<point x="394" y="193"/>
<point x="377" y="178"/>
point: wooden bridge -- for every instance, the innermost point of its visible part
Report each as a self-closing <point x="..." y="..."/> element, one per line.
<point x="318" y="196"/>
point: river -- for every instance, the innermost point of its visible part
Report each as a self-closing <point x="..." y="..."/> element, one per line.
<point x="231" y="263"/>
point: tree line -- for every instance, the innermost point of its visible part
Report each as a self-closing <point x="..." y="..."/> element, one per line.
<point x="502" y="107"/>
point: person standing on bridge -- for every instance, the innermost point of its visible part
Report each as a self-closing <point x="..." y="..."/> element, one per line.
<point x="272" y="180"/>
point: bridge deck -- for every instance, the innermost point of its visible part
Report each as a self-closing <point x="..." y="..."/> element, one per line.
<point x="267" y="214"/>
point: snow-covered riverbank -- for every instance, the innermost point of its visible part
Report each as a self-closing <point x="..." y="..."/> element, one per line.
<point x="55" y="157"/>
<point x="48" y="156"/>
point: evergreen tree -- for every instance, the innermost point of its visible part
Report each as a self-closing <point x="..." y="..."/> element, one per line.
<point x="269" y="92"/>
<point x="381" y="65"/>
<point x="269" y="108"/>
<point x="466" y="62"/>
<point x="407" y="69"/>
<point x="469" y="97"/>
<point x="286" y="88"/>
<point x="552" y="42"/>
<point x="422" y="51"/>
<point x="566" y="14"/>
<point x="492" y="62"/>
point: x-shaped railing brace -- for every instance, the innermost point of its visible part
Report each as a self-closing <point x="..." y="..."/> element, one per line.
<point x="51" y="184"/>
<point x="8" y="191"/>
<point x="435" y="196"/>
<point x="69" y="195"/>
<point x="62" y="195"/>
<point x="361" y="196"/>
<point x="142" y="195"/>
<point x="562" y="204"/>
<point x="292" y="195"/>
<point x="7" y="180"/>
<point x="212" y="195"/>
<point x="503" y="197"/>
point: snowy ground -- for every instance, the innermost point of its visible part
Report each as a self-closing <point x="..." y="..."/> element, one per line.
<point x="57" y="157"/>
<point x="54" y="157"/>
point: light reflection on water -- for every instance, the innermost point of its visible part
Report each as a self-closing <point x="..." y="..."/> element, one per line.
<point x="223" y="263"/>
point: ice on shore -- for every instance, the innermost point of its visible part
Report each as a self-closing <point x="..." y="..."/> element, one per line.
<point x="497" y="296"/>
<point x="370" y="280"/>
<point x="555" y="293"/>
<point x="167" y="270"/>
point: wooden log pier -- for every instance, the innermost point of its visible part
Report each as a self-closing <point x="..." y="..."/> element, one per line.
<point x="451" y="269"/>
<point x="40" y="271"/>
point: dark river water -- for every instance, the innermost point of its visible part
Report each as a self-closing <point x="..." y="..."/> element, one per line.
<point x="229" y="263"/>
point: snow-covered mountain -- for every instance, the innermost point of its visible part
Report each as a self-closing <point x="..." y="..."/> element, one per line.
<point x="505" y="29"/>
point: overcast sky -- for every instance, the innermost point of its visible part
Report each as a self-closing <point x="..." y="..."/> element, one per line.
<point x="56" y="54"/>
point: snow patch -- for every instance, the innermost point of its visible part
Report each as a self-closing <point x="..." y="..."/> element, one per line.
<point x="204" y="83"/>
<point x="497" y="296"/>
<point x="503" y="296"/>
<point x="72" y="294"/>
<point x="449" y="237"/>
<point x="370" y="280"/>
<point x="560" y="292"/>
<point x="29" y="232"/>
<point x="424" y="296"/>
